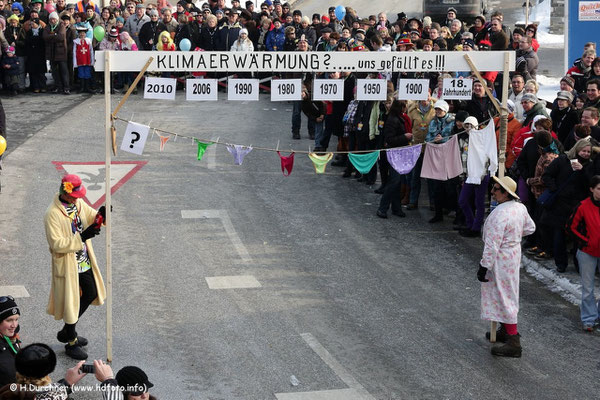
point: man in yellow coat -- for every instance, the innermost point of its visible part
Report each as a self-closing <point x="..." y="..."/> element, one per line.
<point x="76" y="280"/>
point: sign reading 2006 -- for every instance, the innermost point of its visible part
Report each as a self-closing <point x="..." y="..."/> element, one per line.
<point x="295" y="61"/>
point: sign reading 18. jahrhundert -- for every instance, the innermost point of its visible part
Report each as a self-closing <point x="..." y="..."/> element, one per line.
<point x="297" y="61"/>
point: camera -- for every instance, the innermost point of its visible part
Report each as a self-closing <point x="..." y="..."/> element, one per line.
<point x="87" y="369"/>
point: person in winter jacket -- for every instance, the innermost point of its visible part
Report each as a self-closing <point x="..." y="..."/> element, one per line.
<point x="9" y="339"/>
<point x="582" y="69"/>
<point x="440" y="129"/>
<point x="526" y="55"/>
<point x="150" y="31"/>
<point x="308" y="31"/>
<point x="395" y="135"/>
<point x="532" y="107"/>
<point x="55" y="38"/>
<point x="569" y="173"/>
<point x="546" y="150"/>
<point x="563" y="116"/>
<point x="584" y="224"/>
<point x="34" y="364"/>
<point x="243" y="43"/>
<point x="11" y="66"/>
<point x="83" y="58"/>
<point x="276" y="37"/>
<point x="208" y="34"/>
<point x="480" y="106"/>
<point x="228" y="32"/>
<point x="76" y="280"/>
<point x="421" y="113"/>
<point x="315" y="112"/>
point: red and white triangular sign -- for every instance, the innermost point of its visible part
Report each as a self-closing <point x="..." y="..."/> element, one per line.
<point x="92" y="176"/>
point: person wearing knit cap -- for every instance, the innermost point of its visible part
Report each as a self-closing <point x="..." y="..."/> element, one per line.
<point x="9" y="338"/>
<point x="55" y="39"/>
<point x="34" y="364"/>
<point x="76" y="280"/>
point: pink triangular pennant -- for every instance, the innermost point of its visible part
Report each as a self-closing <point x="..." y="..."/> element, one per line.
<point x="163" y="141"/>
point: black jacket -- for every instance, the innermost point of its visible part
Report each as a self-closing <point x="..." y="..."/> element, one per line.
<point x="7" y="363"/>
<point x="393" y="131"/>
<point x="150" y="31"/>
<point x="208" y="38"/>
<point x="576" y="188"/>
<point x="563" y="121"/>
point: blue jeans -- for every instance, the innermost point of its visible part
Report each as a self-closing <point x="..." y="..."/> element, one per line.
<point x="318" y="128"/>
<point x="297" y="118"/>
<point x="590" y="310"/>
<point x="467" y="194"/>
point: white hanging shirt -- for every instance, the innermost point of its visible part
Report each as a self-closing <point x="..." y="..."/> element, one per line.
<point x="482" y="149"/>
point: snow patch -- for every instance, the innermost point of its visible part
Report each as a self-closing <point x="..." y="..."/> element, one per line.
<point x="541" y="13"/>
<point x="564" y="287"/>
<point x="549" y="86"/>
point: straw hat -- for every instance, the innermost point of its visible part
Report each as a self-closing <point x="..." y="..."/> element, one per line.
<point x="507" y="184"/>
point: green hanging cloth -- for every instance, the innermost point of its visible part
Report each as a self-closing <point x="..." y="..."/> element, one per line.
<point x="202" y="148"/>
<point x="363" y="162"/>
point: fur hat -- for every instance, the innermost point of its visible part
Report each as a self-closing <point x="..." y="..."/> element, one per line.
<point x="565" y="95"/>
<point x="35" y="361"/>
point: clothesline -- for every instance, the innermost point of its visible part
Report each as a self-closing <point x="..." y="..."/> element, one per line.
<point x="224" y="143"/>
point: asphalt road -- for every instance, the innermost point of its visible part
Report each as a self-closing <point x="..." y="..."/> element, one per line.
<point x="351" y="305"/>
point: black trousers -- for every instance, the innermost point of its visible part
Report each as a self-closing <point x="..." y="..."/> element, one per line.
<point x="89" y="292"/>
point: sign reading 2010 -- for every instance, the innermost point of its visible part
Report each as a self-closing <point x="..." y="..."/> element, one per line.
<point x="159" y="88"/>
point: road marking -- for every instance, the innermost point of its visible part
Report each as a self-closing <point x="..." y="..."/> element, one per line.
<point x="340" y="394"/>
<point x="336" y="367"/>
<point x="223" y="215"/>
<point x="92" y="176"/>
<point x="14" y="291"/>
<point x="232" y="282"/>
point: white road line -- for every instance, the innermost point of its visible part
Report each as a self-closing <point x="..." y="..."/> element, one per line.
<point x="14" y="291"/>
<point x="339" y="394"/>
<point x="339" y="370"/>
<point x="232" y="282"/>
<point x="223" y="215"/>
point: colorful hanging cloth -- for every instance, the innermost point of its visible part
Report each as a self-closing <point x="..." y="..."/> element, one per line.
<point x="201" y="148"/>
<point x="403" y="160"/>
<point x="239" y="152"/>
<point x="163" y="141"/>
<point x="363" y="162"/>
<point x="320" y="161"/>
<point x="442" y="161"/>
<point x="287" y="163"/>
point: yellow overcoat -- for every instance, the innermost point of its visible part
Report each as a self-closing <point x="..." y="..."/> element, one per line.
<point x="64" y="292"/>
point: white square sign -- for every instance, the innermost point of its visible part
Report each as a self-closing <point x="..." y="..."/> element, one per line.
<point x="328" y="89"/>
<point x="201" y="89"/>
<point x="160" y="88"/>
<point x="286" y="89"/>
<point x="242" y="89"/>
<point x="371" y="89"/>
<point x="413" y="89"/>
<point x="457" y="89"/>
<point x="135" y="138"/>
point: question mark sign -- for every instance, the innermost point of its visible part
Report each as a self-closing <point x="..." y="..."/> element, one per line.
<point x="135" y="139"/>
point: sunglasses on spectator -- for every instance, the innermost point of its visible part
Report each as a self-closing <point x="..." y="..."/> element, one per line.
<point x="4" y="299"/>
<point x="495" y="188"/>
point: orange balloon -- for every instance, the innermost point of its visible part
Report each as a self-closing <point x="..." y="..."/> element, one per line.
<point x="2" y="145"/>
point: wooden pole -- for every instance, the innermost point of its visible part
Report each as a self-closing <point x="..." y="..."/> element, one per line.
<point x="108" y="148"/>
<point x="132" y="87"/>
<point x="526" y="13"/>
<point x="483" y="83"/>
<point x="503" y="118"/>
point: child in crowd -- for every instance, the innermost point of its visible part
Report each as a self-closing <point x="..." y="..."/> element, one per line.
<point x="10" y="65"/>
<point x="83" y="58"/>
